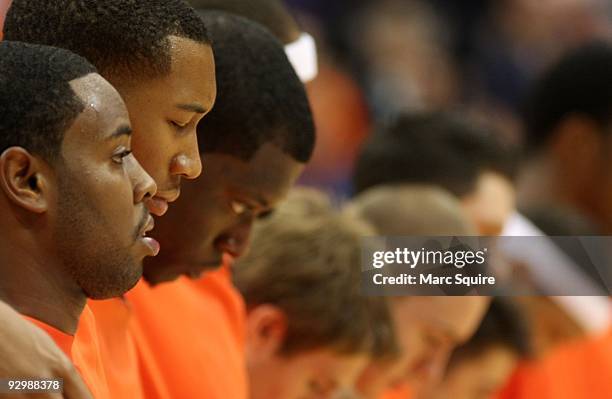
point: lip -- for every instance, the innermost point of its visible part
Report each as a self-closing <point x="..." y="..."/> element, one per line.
<point x="150" y="225"/>
<point x="169" y="195"/>
<point x="151" y="243"/>
<point x="158" y="205"/>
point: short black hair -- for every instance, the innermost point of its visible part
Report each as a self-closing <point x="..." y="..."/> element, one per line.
<point x="260" y="99"/>
<point x="579" y="83"/>
<point x="37" y="104"/>
<point x="438" y="148"/>
<point x="122" y="38"/>
<point x="272" y="14"/>
<point x="503" y="325"/>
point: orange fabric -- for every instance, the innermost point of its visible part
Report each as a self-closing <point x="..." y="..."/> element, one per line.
<point x="192" y="334"/>
<point x="117" y="348"/>
<point x="401" y="392"/>
<point x="83" y="350"/>
<point x="581" y="369"/>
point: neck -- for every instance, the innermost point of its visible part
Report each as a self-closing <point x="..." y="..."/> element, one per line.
<point x="37" y="286"/>
<point x="541" y="183"/>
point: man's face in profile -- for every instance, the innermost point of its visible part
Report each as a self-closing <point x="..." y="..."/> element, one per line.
<point x="165" y="112"/>
<point x="99" y="217"/>
<point x="220" y="209"/>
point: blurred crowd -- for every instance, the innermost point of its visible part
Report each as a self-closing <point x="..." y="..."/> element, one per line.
<point x="507" y="105"/>
<point x="477" y="56"/>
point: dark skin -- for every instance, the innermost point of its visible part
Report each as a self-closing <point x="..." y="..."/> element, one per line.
<point x="76" y="223"/>
<point x="580" y="155"/>
<point x="219" y="209"/>
<point x="165" y="113"/>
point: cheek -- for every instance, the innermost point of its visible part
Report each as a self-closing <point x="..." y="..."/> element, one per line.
<point x="107" y="193"/>
<point x="154" y="150"/>
<point x="117" y="198"/>
<point x="461" y="385"/>
<point x="375" y="379"/>
<point x="290" y="382"/>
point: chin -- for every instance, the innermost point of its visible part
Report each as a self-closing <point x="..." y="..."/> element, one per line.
<point x="155" y="279"/>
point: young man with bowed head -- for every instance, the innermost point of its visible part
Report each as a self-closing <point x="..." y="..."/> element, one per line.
<point x="73" y="216"/>
<point x="310" y="330"/>
<point x="158" y="55"/>
<point x="256" y="142"/>
<point x="568" y="122"/>
<point x="427" y="328"/>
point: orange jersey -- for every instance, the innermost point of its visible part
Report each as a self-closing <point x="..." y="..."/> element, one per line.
<point x="83" y="350"/>
<point x="582" y="369"/>
<point x="402" y="392"/>
<point x="117" y="348"/>
<point x="191" y="334"/>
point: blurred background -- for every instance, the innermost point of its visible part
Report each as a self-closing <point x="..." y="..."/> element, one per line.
<point x="475" y="56"/>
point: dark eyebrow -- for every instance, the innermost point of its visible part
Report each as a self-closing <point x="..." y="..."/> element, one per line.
<point x="123" y="130"/>
<point x="193" y="107"/>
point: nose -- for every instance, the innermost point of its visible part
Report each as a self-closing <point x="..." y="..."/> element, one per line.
<point x="143" y="184"/>
<point x="187" y="163"/>
<point x="236" y="241"/>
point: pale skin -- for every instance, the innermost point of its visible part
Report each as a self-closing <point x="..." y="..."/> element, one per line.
<point x="428" y="329"/>
<point x="317" y="373"/>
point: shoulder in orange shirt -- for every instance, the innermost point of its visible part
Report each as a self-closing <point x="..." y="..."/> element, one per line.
<point x="191" y="335"/>
<point x="582" y="369"/>
<point x="116" y="348"/>
<point x="83" y="350"/>
<point x="401" y="392"/>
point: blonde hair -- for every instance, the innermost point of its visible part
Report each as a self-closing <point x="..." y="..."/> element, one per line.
<point x="415" y="210"/>
<point x="305" y="259"/>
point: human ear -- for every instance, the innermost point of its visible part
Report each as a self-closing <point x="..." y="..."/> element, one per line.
<point x="23" y="179"/>
<point x="266" y="332"/>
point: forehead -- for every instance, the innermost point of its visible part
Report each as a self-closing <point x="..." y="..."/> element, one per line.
<point x="103" y="110"/>
<point x="457" y="317"/>
<point x="189" y="87"/>
<point x="192" y="75"/>
<point x="193" y="69"/>
<point x="327" y="362"/>
<point x="270" y="172"/>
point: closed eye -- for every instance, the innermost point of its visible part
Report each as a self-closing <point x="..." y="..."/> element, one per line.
<point x="118" y="158"/>
<point x="178" y="125"/>
<point x="265" y="214"/>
